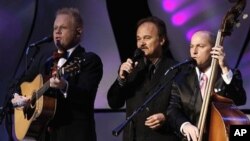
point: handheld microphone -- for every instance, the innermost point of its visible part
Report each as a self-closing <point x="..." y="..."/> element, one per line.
<point x="46" y="39"/>
<point x="138" y="54"/>
<point x="177" y="66"/>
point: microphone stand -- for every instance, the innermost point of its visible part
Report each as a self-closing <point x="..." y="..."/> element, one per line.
<point x="28" y="63"/>
<point x="6" y="106"/>
<point x="5" y="110"/>
<point x="119" y="128"/>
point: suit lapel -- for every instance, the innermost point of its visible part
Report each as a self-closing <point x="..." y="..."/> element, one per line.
<point x="196" y="98"/>
<point x="74" y="54"/>
<point x="158" y="77"/>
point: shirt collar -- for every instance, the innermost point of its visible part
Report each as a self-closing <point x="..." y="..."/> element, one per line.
<point x="198" y="72"/>
<point x="155" y="65"/>
<point x="71" y="50"/>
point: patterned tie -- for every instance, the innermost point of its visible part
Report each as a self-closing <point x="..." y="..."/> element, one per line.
<point x="203" y="82"/>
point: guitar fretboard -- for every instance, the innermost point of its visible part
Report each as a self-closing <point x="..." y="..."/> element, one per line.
<point x="41" y="91"/>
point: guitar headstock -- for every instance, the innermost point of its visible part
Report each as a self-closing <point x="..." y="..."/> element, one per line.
<point x="231" y="18"/>
<point x="72" y="68"/>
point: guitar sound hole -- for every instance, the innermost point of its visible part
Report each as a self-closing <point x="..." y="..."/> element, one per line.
<point x="30" y="109"/>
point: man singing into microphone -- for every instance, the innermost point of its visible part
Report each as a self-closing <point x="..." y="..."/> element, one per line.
<point x="137" y="79"/>
<point x="73" y="118"/>
<point x="188" y="93"/>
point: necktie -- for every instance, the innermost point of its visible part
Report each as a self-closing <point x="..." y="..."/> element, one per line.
<point x="59" y="60"/>
<point x="203" y="82"/>
<point x="57" y="55"/>
<point x="151" y="71"/>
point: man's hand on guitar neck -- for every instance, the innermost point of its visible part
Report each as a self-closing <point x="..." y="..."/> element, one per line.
<point x="61" y="84"/>
<point x="58" y="83"/>
<point x="19" y="101"/>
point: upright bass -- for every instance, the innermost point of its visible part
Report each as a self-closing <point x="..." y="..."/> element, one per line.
<point x="223" y="111"/>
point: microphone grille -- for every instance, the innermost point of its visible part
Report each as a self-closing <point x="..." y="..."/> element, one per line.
<point x="138" y="54"/>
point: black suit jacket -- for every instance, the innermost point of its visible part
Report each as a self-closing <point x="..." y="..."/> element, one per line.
<point x="74" y="117"/>
<point x="135" y="92"/>
<point x="186" y="101"/>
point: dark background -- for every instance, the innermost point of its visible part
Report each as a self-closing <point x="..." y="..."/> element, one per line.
<point x="109" y="30"/>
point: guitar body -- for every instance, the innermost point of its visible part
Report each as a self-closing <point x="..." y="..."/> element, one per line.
<point x="31" y="120"/>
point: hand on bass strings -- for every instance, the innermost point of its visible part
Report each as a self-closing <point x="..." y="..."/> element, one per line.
<point x="190" y="132"/>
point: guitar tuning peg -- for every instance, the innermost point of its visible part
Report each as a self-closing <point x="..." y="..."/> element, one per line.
<point x="237" y="24"/>
<point x="244" y="16"/>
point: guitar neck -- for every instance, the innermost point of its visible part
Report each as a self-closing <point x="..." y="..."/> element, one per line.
<point x="72" y="68"/>
<point x="41" y="91"/>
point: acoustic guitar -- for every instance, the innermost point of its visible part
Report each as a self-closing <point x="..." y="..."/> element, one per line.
<point x="33" y="118"/>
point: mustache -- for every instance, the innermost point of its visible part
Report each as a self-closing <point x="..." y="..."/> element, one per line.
<point x="143" y="47"/>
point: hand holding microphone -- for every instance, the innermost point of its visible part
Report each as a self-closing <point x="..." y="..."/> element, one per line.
<point x="128" y="66"/>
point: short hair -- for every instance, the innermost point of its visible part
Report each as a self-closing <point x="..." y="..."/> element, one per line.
<point x="74" y="12"/>
<point x="211" y="36"/>
<point x="162" y="32"/>
<point x="160" y="24"/>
